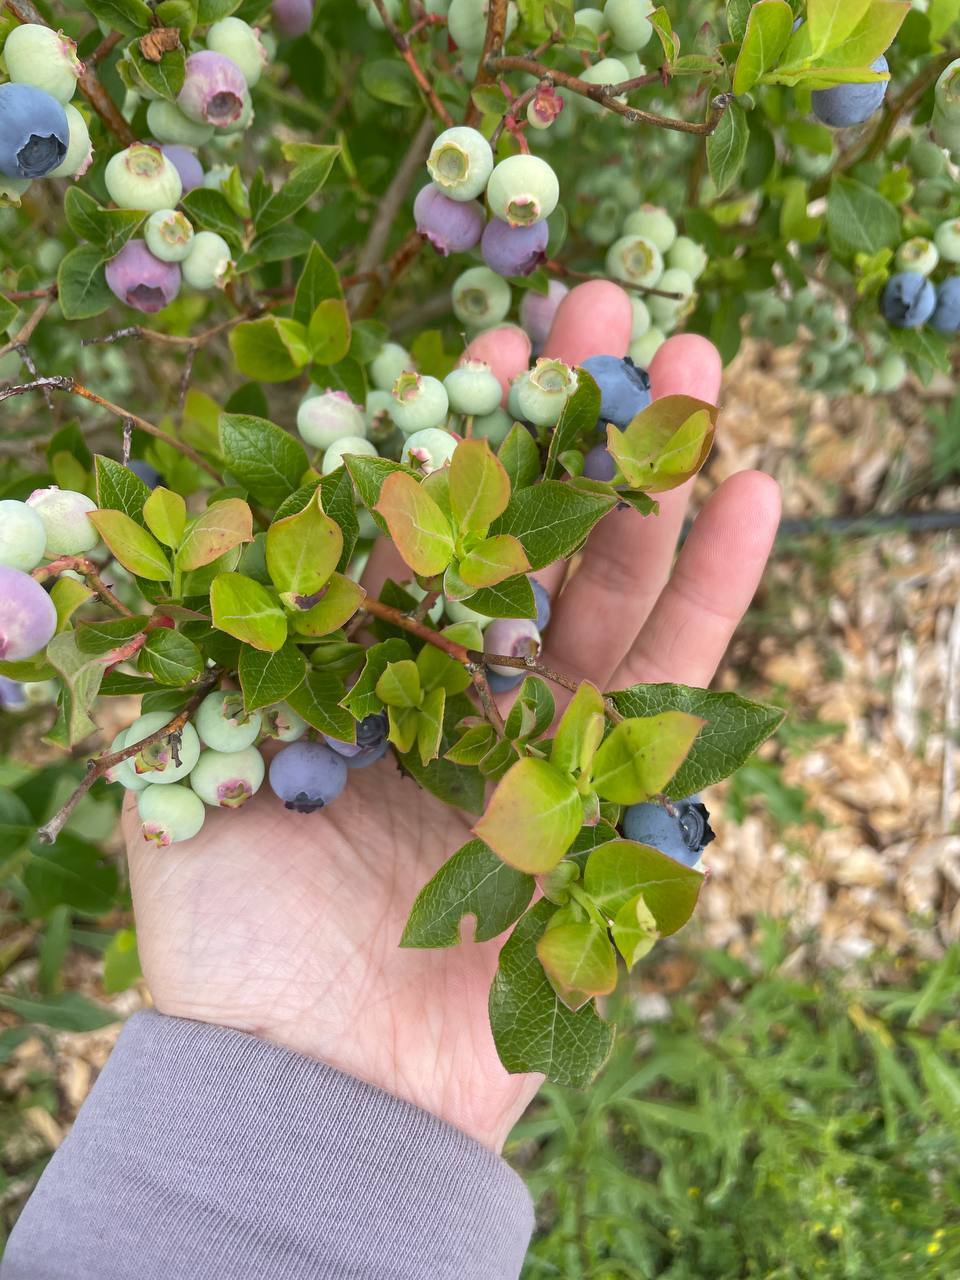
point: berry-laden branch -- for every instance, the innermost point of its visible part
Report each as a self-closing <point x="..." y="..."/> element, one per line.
<point x="103" y="764"/>
<point x="403" y="47"/>
<point x="88" y="570"/>
<point x="89" y="85"/>
<point x="60" y="382"/>
<point x="608" y="95"/>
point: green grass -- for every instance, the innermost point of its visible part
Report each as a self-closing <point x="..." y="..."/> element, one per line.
<point x="771" y="1126"/>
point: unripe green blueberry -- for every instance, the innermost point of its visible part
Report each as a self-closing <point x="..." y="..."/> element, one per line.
<point x="283" y="723"/>
<point x="472" y="388"/>
<point x="461" y="162"/>
<point x="158" y="761"/>
<point x="167" y="123"/>
<point x="328" y="416"/>
<point x="64" y="516"/>
<point x="918" y="254"/>
<point x="419" y="402"/>
<point x="608" y="71"/>
<point x="891" y="372"/>
<point x="947" y="92"/>
<point x="459" y="611"/>
<point x="629" y="23"/>
<point x="644" y="348"/>
<point x="670" y="310"/>
<point x="654" y="224"/>
<point x="47" y="59"/>
<point x="641" y="317"/>
<point x="467" y="23"/>
<point x="494" y="426"/>
<point x="947" y="239"/>
<point x="216" y="176"/>
<point x="864" y="380"/>
<point x="241" y="43"/>
<point x="603" y="225"/>
<point x="141" y="177"/>
<point x="428" y="450"/>
<point x="946" y="130"/>
<point x="635" y="260"/>
<point x="634" y="68"/>
<point x="79" y="151"/>
<point x="688" y="256"/>
<point x="23" y="537"/>
<point x="169" y="814"/>
<point x="223" y="724"/>
<point x="480" y="297"/>
<point x="927" y="159"/>
<point x="513" y="403"/>
<point x="207" y="263"/>
<point x="11" y="190"/>
<point x="374" y="16"/>
<point x="227" y="779"/>
<point x="168" y="234"/>
<point x="592" y="19"/>
<point x="388" y="364"/>
<point x="814" y="367"/>
<point x="378" y="413"/>
<point x="835" y="336"/>
<point x="346" y="446"/>
<point x="803" y="306"/>
<point x="542" y="393"/>
<point x="523" y="189"/>
<point x="124" y="772"/>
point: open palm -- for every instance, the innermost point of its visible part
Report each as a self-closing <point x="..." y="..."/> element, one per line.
<point x="286" y="925"/>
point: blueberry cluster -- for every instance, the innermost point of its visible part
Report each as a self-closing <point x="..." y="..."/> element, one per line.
<point x="911" y="297"/>
<point x="214" y="762"/>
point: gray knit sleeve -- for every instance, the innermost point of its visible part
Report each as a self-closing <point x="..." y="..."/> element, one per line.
<point x="207" y="1154"/>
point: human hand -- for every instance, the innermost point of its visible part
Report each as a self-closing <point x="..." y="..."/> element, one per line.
<point x="287" y="926"/>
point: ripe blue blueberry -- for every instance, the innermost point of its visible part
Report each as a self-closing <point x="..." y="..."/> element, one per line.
<point x="34" y="134"/>
<point x="511" y="638"/>
<point x="624" y="388"/>
<point x="682" y="835"/>
<point x="451" y="226"/>
<point x="946" y="317"/>
<point x="13" y="695"/>
<point x="223" y="724"/>
<point x="307" y="775"/>
<point x="370" y="746"/>
<point x="141" y="280"/>
<point x="514" y="251"/>
<point x="64" y="516"/>
<point x="23" y="537"/>
<point x="228" y="779"/>
<point x="908" y="300"/>
<point x="460" y="163"/>
<point x="848" y="104"/>
<point x="505" y="684"/>
<point x="213" y="89"/>
<point x="150" y="476"/>
<point x="598" y="464"/>
<point x="28" y="617"/>
<point x="169" y="814"/>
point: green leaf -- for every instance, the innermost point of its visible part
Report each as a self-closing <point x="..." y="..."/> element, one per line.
<point x="872" y="35"/>
<point x="223" y="526"/>
<point x="520" y="457"/>
<point x="164" y="78"/>
<point x="830" y="21"/>
<point x="616" y="872"/>
<point x="640" y="756"/>
<point x="473" y="882"/>
<point x="338" y="501"/>
<point x="493" y="560"/>
<point x="68" y="1011"/>
<point x="170" y="658"/>
<point x="479" y="487"/>
<point x="318" y="281"/>
<point x="303" y="550"/>
<point x="388" y="81"/>
<point x="362" y="700"/>
<point x="768" y="31"/>
<point x="103" y="636"/>
<point x="369" y="475"/>
<point x="165" y="514"/>
<point x="212" y="211"/>
<point x="430" y="724"/>
<point x="82" y="289"/>
<point x="108" y="229"/>
<point x="578" y="420"/>
<point x="579" y="961"/>
<point x="418" y="527"/>
<point x="73" y="873"/>
<point x="399" y="684"/>
<point x="328" y="333"/>
<point x="858" y="219"/>
<point x="532" y="712"/>
<point x="271" y="349"/>
<point x="438" y="670"/>
<point x="121" y="962"/>
<point x="267" y="460"/>
<point x="68" y="595"/>
<point x="131" y="17"/>
<point x="335" y="605"/>
<point x="735" y="728"/>
<point x="247" y="611"/>
<point x="579" y="731"/>
<point x="317" y="699"/>
<point x="664" y="445"/>
<point x="270" y="677"/>
<point x="119" y="488"/>
<point x="552" y="519"/>
<point x="279" y="244"/>
<point x="738" y="13"/>
<point x="131" y="544"/>
<point x="727" y="147"/>
<point x="311" y="168"/>
<point x="533" y="816"/>
<point x="634" y="930"/>
<point x="532" y="1028"/>
<point x="456" y="785"/>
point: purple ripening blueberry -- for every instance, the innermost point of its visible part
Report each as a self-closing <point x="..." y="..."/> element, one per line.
<point x="186" y="164"/>
<point x="213" y="90"/>
<point x="292" y="17"/>
<point x="451" y="226"/>
<point x="598" y="464"/>
<point x="514" y="251"/>
<point x="28" y="617"/>
<point x="140" y="280"/>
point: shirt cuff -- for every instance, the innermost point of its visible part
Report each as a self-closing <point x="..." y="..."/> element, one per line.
<point x="204" y="1153"/>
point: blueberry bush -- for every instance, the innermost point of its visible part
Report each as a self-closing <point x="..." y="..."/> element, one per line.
<point x="254" y="258"/>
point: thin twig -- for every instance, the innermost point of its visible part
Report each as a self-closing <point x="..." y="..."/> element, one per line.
<point x="493" y="43"/>
<point x="608" y="95"/>
<point x="142" y="333"/>
<point x="89" y="85"/>
<point x="478" y="674"/>
<point x="60" y="382"/>
<point x="403" y="46"/>
<point x="87" y="569"/>
<point x="127" y="441"/>
<point x="97" y="768"/>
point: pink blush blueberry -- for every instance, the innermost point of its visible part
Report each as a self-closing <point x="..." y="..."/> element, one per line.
<point x="213" y="90"/>
<point x="228" y="779"/>
<point x="451" y="226"/>
<point x="28" y="618"/>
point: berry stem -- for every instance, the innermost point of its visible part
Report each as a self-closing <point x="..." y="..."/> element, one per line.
<point x="60" y="382"/>
<point x="403" y="47"/>
<point x="85" y="567"/>
<point x="97" y="768"/>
